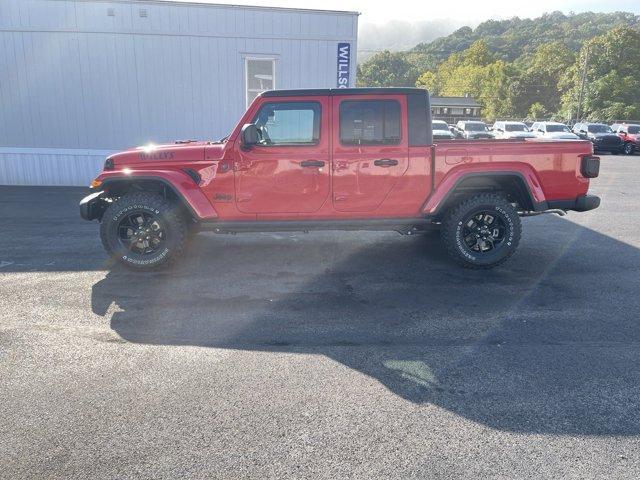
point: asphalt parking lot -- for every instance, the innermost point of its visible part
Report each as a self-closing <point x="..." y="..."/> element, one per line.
<point x="322" y="355"/>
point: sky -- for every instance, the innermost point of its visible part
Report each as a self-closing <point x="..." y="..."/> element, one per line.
<point x="471" y="11"/>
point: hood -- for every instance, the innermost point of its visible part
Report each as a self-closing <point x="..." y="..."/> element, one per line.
<point x="442" y="134"/>
<point x="478" y="135"/>
<point x="167" y="153"/>
<point x="608" y="136"/>
<point x="561" y="136"/>
<point x="518" y="135"/>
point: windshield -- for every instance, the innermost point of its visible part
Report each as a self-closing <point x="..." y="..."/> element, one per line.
<point x="440" y="126"/>
<point x="599" y="129"/>
<point x="634" y="129"/>
<point x="515" y="127"/>
<point x="475" y="127"/>
<point x="558" y="128"/>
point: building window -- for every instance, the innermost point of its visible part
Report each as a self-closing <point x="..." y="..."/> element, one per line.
<point x="288" y="123"/>
<point x="370" y="122"/>
<point x="260" y="75"/>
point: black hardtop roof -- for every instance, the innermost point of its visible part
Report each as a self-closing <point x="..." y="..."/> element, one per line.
<point x="308" y="92"/>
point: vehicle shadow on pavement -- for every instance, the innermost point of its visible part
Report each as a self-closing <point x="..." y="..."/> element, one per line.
<point x="547" y="343"/>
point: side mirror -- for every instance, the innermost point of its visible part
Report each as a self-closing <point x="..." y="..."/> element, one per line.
<point x="249" y="136"/>
<point x="584" y="132"/>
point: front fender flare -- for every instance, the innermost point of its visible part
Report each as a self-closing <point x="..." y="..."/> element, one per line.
<point x="182" y="185"/>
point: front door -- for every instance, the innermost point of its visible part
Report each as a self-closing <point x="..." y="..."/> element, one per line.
<point x="370" y="150"/>
<point x="288" y="171"/>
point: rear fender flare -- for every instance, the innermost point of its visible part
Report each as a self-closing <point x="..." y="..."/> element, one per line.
<point x="447" y="187"/>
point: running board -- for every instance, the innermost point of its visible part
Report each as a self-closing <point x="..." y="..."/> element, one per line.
<point x="405" y="226"/>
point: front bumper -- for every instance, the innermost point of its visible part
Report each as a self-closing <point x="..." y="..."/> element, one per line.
<point x="92" y="206"/>
<point x="583" y="203"/>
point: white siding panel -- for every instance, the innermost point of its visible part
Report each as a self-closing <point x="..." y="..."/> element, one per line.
<point x="50" y="166"/>
<point x="74" y="78"/>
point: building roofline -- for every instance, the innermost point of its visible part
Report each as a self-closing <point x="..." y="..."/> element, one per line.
<point x="195" y="3"/>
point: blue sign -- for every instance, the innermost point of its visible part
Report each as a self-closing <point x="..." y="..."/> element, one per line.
<point x="344" y="65"/>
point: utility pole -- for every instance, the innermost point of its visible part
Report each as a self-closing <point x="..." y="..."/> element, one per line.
<point x="582" y="82"/>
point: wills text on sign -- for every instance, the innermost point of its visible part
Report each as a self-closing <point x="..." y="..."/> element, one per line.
<point x="344" y="65"/>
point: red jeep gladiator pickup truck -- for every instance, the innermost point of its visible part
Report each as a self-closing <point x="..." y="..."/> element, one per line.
<point x="337" y="159"/>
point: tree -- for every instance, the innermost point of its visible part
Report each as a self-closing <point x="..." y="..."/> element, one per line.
<point x="537" y="111"/>
<point x="611" y="83"/>
<point x="387" y="69"/>
<point x="540" y="79"/>
<point x="474" y="72"/>
<point x="429" y="80"/>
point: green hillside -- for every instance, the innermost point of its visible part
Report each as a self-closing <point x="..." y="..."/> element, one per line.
<point x="509" y="39"/>
<point x="527" y="68"/>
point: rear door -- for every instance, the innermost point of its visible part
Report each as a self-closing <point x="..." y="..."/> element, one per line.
<point x="370" y="149"/>
<point x="288" y="172"/>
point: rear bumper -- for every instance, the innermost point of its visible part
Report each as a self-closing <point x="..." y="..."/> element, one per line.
<point x="92" y="206"/>
<point x="583" y="203"/>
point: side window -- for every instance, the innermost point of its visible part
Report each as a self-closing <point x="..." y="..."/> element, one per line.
<point x="370" y="122"/>
<point x="260" y="75"/>
<point x="288" y="123"/>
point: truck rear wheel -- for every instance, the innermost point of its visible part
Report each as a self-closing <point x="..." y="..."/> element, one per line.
<point x="482" y="231"/>
<point x="143" y="231"/>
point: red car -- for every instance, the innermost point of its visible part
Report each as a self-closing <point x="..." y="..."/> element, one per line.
<point x="630" y="135"/>
<point x="351" y="159"/>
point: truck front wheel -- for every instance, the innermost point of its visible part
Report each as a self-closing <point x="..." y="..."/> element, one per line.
<point x="142" y="230"/>
<point x="482" y="231"/>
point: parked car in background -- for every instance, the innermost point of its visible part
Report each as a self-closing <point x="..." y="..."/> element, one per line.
<point x="472" y="130"/>
<point x="441" y="130"/>
<point x="553" y="130"/>
<point x="511" y="130"/>
<point x="601" y="135"/>
<point x="630" y="135"/>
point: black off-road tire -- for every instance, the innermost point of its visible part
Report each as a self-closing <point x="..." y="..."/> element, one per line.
<point x="168" y="214"/>
<point x="454" y="222"/>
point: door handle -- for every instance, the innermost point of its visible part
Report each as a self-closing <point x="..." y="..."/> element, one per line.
<point x="385" y="162"/>
<point x="312" y="163"/>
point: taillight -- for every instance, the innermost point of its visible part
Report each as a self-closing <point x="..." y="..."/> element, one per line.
<point x="590" y="166"/>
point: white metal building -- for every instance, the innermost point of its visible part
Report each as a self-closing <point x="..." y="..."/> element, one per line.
<point x="82" y="78"/>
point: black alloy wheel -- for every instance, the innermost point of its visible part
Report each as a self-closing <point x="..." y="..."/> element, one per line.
<point x="629" y="148"/>
<point x="141" y="233"/>
<point x="483" y="231"/>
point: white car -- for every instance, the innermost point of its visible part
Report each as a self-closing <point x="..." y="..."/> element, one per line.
<point x="553" y="130"/>
<point x="441" y="130"/>
<point x="511" y="130"/>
